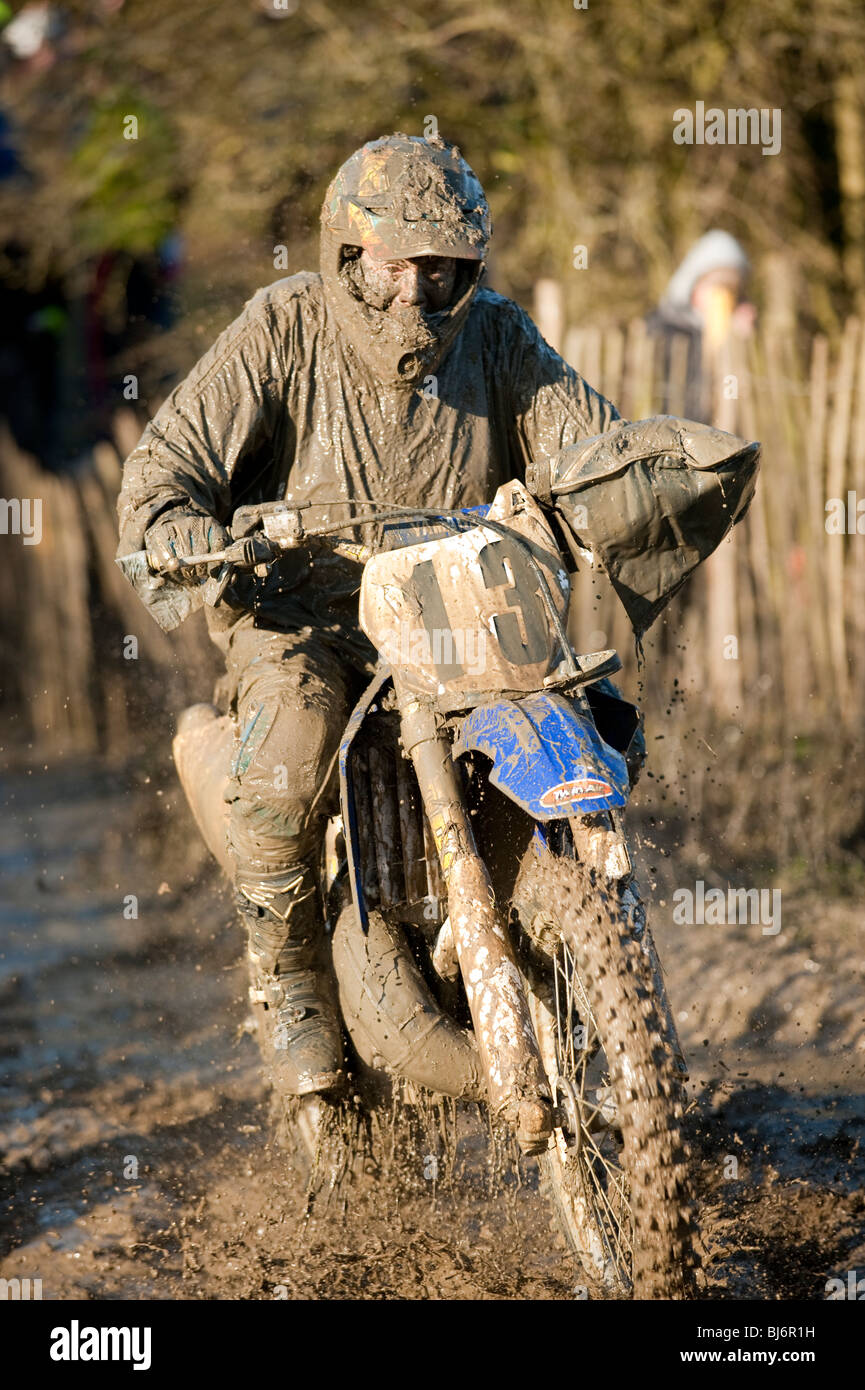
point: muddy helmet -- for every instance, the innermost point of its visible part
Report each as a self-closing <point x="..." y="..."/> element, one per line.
<point x="400" y="197"/>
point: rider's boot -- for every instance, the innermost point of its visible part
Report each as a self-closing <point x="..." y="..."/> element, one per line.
<point x="298" y="1025"/>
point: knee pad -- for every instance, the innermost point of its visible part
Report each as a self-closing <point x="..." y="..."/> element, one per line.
<point x="282" y="756"/>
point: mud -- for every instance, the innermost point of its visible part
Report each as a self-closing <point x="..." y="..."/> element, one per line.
<point x="138" y="1158"/>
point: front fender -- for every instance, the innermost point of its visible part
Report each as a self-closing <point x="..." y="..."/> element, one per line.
<point x="547" y="756"/>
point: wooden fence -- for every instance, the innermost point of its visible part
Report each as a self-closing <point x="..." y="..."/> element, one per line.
<point x="777" y="615"/>
<point x="776" y="620"/>
<point x="72" y="680"/>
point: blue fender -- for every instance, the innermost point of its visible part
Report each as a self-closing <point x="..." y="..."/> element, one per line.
<point x="547" y="756"/>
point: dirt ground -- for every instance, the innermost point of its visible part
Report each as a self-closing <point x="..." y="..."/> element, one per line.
<point x="135" y="1132"/>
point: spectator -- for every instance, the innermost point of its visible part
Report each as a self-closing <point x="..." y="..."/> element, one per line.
<point x="704" y="301"/>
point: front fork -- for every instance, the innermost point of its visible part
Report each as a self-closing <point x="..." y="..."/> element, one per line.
<point x="517" y="1086"/>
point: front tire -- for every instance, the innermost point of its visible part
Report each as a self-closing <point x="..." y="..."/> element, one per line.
<point x="616" y="1170"/>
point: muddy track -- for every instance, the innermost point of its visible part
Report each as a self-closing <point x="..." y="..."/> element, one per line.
<point x="136" y="1140"/>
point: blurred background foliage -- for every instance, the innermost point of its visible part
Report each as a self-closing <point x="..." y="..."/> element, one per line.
<point x="121" y="258"/>
<point x="246" y="108"/>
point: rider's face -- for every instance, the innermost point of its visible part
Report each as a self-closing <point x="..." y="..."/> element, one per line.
<point x="424" y="282"/>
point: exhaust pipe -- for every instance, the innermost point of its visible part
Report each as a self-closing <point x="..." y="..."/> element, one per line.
<point x="391" y="1016"/>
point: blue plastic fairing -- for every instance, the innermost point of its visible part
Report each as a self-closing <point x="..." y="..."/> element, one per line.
<point x="547" y="756"/>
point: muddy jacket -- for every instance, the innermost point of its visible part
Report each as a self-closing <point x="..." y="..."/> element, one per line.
<point x="282" y="407"/>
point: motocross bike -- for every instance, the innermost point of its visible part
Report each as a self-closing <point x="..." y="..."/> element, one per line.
<point x="486" y="932"/>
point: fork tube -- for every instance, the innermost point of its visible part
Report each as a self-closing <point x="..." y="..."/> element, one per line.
<point x="517" y="1086"/>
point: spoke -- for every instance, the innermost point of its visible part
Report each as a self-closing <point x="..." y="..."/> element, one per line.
<point x="564" y="1040"/>
<point x="602" y="1192"/>
<point x="611" y="1169"/>
<point x="615" y="1222"/>
<point x="603" y="1183"/>
<point x="555" y="976"/>
<point x="613" y="1185"/>
<point x="563" y="1013"/>
<point x="570" y="1013"/>
<point x="593" y="1190"/>
<point x="592" y="1111"/>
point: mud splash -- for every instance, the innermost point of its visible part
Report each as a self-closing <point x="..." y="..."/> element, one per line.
<point x="139" y="1159"/>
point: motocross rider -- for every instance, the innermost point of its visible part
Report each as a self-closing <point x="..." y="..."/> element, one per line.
<point x="393" y="376"/>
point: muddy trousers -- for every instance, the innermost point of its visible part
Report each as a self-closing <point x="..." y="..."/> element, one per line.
<point x="292" y="695"/>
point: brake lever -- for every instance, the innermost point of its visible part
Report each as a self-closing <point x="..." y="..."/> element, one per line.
<point x="170" y="600"/>
<point x="213" y="589"/>
<point x="244" y="554"/>
<point x="249" y="553"/>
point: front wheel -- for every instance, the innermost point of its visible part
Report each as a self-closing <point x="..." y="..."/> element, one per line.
<point x="616" y="1170"/>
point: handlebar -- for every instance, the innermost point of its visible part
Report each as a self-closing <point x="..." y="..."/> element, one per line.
<point x="255" y="553"/>
<point x="283" y="531"/>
